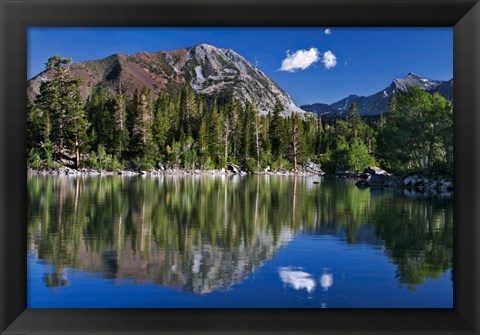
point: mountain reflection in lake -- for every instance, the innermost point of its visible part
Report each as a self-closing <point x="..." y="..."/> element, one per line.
<point x="223" y="241"/>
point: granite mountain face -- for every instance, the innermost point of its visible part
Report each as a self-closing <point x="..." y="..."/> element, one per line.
<point x="377" y="103"/>
<point x="207" y="69"/>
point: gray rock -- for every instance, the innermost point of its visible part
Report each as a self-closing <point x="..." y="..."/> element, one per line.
<point x="410" y="180"/>
<point x="431" y="184"/>
<point x="234" y="168"/>
<point x="312" y="167"/>
<point x="67" y="162"/>
<point x="376" y="170"/>
<point x="420" y="181"/>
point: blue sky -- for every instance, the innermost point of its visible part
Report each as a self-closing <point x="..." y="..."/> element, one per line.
<point x="311" y="64"/>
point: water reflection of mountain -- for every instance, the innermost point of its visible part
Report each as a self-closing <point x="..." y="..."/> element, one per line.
<point x="206" y="268"/>
<point x="208" y="233"/>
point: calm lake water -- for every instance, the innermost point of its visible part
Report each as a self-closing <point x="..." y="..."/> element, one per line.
<point x="223" y="241"/>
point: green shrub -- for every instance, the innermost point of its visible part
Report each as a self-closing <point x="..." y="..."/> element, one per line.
<point x="208" y="164"/>
<point x="90" y="161"/>
<point x="100" y="160"/>
<point x="143" y="163"/>
<point x="325" y="160"/>
<point x="34" y="161"/>
<point x="48" y="152"/>
<point x="353" y="157"/>
<point x="281" y="164"/>
<point x="251" y="165"/>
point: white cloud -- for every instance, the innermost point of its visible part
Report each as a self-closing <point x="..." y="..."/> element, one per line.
<point x="329" y="60"/>
<point x="300" y="60"/>
<point x="328" y="31"/>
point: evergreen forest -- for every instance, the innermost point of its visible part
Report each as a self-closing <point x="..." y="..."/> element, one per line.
<point x="185" y="130"/>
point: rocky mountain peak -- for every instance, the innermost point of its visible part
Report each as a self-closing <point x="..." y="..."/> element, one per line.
<point x="411" y="80"/>
<point x="377" y="103"/>
<point x="209" y="70"/>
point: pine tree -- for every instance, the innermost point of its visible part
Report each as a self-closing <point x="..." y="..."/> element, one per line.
<point x="202" y="143"/>
<point x="188" y="110"/>
<point x="99" y="110"/>
<point x="277" y="132"/>
<point x="60" y="98"/>
<point x="161" y="122"/>
<point x="234" y="116"/>
<point x="255" y="115"/>
<point x="142" y="139"/>
<point x="353" y="121"/>
<point x="297" y="139"/>
<point x="120" y="134"/>
<point x="266" y="140"/>
<point x="321" y="139"/>
<point x="226" y="131"/>
<point x="311" y="133"/>
<point x="231" y="128"/>
<point x="76" y="126"/>
<point x="38" y="126"/>
<point x="246" y="132"/>
<point x="216" y="136"/>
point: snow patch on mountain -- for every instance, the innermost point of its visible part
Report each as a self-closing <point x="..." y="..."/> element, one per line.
<point x="198" y="71"/>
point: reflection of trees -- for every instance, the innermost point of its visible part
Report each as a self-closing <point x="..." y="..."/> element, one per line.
<point x="343" y="205"/>
<point x="418" y="235"/>
<point x="205" y="233"/>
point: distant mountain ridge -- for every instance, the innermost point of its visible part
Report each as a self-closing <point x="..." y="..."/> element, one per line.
<point x="209" y="70"/>
<point x="377" y="103"/>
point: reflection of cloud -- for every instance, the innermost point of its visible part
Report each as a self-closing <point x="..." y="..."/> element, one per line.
<point x="297" y="279"/>
<point x="326" y="280"/>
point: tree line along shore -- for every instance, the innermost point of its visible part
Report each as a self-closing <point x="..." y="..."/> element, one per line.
<point x="185" y="131"/>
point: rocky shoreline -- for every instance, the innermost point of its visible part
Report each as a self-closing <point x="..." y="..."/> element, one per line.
<point x="310" y="169"/>
<point x="375" y="177"/>
<point x="372" y="177"/>
<point x="157" y="172"/>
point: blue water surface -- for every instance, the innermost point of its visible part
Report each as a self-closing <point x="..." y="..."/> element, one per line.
<point x="351" y="257"/>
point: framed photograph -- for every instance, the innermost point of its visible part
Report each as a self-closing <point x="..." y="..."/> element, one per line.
<point x="239" y="167"/>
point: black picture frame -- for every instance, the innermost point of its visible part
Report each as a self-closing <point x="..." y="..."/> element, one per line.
<point x="17" y="15"/>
